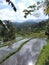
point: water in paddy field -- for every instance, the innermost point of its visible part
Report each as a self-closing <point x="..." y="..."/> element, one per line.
<point x="27" y="55"/>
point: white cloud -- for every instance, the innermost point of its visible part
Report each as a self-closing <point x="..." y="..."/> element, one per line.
<point x="30" y="2"/>
<point x="6" y="14"/>
<point x="9" y="14"/>
<point x="13" y="0"/>
<point x="21" y="6"/>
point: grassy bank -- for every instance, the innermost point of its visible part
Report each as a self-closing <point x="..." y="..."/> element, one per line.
<point x="39" y="35"/>
<point x="7" y="43"/>
<point x="43" y="55"/>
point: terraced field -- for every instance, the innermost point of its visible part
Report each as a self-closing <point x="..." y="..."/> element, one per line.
<point x="23" y="52"/>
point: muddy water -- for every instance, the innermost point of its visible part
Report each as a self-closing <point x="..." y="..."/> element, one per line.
<point x="27" y="55"/>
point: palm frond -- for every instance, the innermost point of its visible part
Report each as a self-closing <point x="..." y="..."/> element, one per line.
<point x="14" y="8"/>
<point x="7" y="0"/>
<point x="34" y="6"/>
<point x="31" y="10"/>
<point x="1" y="23"/>
<point x="30" y="6"/>
<point x="10" y="2"/>
<point x="38" y="3"/>
<point x="25" y="16"/>
<point x="25" y="10"/>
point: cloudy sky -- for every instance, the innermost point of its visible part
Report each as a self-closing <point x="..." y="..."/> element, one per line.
<point x="7" y="13"/>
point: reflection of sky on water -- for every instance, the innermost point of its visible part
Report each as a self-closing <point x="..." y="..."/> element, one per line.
<point x="28" y="54"/>
<point x="30" y="63"/>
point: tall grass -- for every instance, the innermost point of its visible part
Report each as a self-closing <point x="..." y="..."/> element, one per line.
<point x="38" y="35"/>
<point x="43" y="55"/>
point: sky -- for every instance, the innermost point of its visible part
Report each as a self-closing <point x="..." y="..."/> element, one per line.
<point x="7" y="13"/>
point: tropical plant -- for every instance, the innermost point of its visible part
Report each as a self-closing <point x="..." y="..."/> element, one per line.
<point x="8" y="34"/>
<point x="10" y="2"/>
<point x="37" y="6"/>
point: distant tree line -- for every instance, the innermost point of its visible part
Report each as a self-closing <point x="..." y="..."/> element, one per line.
<point x="29" y="27"/>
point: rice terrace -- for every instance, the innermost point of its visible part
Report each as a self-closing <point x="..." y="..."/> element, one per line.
<point x="24" y="32"/>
